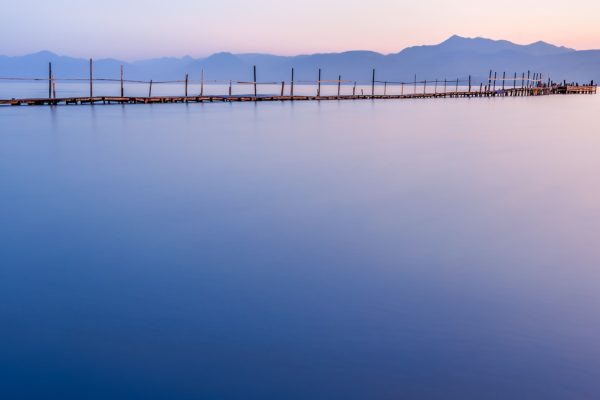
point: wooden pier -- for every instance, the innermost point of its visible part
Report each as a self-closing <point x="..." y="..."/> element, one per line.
<point x="530" y="84"/>
<point x="514" y="92"/>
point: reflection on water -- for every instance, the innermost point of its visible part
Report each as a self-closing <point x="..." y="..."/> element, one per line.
<point x="432" y="249"/>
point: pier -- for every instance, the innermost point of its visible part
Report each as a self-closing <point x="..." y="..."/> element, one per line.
<point x="520" y="85"/>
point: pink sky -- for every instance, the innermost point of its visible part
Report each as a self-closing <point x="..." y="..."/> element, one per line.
<point x="140" y="29"/>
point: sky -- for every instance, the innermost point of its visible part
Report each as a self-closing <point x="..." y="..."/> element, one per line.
<point x="138" y="29"/>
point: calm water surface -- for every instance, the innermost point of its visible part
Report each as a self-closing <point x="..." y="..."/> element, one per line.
<point x="433" y="249"/>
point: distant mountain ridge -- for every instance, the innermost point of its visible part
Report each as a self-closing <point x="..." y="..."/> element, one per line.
<point x="455" y="57"/>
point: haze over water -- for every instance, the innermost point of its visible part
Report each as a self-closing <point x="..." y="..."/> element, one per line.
<point x="418" y="249"/>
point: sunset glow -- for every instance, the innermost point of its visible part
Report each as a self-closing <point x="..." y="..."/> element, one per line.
<point x="129" y="30"/>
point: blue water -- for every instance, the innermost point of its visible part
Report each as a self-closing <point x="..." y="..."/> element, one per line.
<point x="427" y="249"/>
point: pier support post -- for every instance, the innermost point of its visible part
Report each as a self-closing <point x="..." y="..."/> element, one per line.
<point x="255" y="89"/>
<point x="469" y="83"/>
<point x="292" y="85"/>
<point x="150" y="90"/>
<point x="202" y="82"/>
<point x="415" y="90"/>
<point x="319" y="84"/>
<point x="49" y="80"/>
<point x="91" y="78"/>
<point x="186" y="84"/>
<point x="122" y="85"/>
<point x="373" y="84"/>
<point x="339" y="85"/>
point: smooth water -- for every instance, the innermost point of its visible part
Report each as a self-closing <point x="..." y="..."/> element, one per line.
<point x="399" y="249"/>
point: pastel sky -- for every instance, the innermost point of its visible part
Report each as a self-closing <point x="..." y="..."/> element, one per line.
<point x="135" y="29"/>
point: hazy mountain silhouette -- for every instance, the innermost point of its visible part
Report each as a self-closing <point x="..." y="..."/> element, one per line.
<point x="455" y="57"/>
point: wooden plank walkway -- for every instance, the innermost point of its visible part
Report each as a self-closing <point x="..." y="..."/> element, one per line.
<point x="511" y="92"/>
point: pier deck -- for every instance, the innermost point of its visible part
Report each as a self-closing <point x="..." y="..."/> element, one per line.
<point x="512" y="92"/>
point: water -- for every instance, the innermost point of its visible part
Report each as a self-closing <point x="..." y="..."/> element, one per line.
<point x="426" y="249"/>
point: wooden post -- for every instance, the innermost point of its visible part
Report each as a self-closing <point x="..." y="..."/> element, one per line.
<point x="385" y="88"/>
<point x="122" y="86"/>
<point x="523" y="80"/>
<point x="401" y="88"/>
<point x="373" y="84"/>
<point x="150" y="90"/>
<point x="445" y="85"/>
<point x="292" y="85"/>
<point x="186" y="84"/>
<point x="456" y="86"/>
<point x="495" y="76"/>
<point x="339" y="85"/>
<point x="489" y="82"/>
<point x="282" y="87"/>
<point x="528" y="79"/>
<point x="425" y="86"/>
<point x="49" y="80"/>
<point x="515" y="81"/>
<point x="319" y="84"/>
<point x="230" y="91"/>
<point x="91" y="78"/>
<point x="469" y="83"/>
<point x="415" y="91"/>
<point x="255" y="89"/>
<point x="354" y="89"/>
<point x="435" y="88"/>
<point x="53" y="87"/>
<point x="503" y="80"/>
<point x="202" y="83"/>
<point x="480" y="88"/>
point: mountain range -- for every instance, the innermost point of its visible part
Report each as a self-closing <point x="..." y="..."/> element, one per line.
<point x="455" y="57"/>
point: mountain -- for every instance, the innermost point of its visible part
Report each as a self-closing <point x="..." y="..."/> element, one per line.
<point x="455" y="57"/>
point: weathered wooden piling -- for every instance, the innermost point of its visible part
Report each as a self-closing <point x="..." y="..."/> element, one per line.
<point x="373" y="84"/>
<point x="255" y="88"/>
<point x="122" y="83"/>
<point x="292" y="85"/>
<point x="49" y="80"/>
<point x="91" y="79"/>
<point x="202" y="82"/>
<point x="186" y="84"/>
<point x="319" y="84"/>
